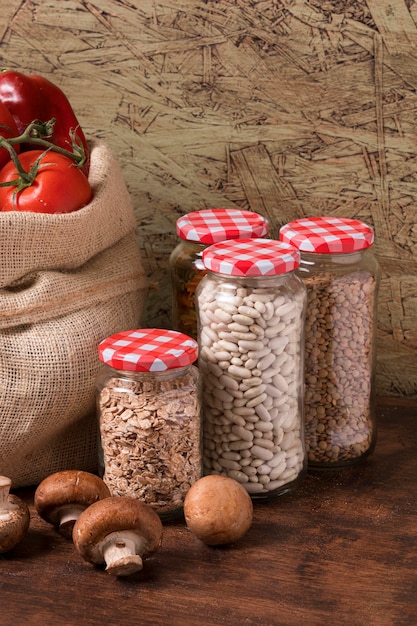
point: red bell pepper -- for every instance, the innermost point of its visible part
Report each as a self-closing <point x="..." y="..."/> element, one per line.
<point x="32" y="97"/>
<point x="8" y="129"/>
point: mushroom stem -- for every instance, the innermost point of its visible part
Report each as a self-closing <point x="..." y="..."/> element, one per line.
<point x="118" y="531"/>
<point x="5" y="484"/>
<point x="14" y="516"/>
<point x="5" y="505"/>
<point x="122" y="553"/>
<point x="61" y="497"/>
<point x="68" y="515"/>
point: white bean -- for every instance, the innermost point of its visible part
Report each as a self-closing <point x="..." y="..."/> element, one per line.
<point x="252" y="392"/>
<point x="264" y="470"/>
<point x="229" y="346"/>
<point x="223" y="316"/>
<point x="238" y="475"/>
<point x="253" y="488"/>
<point x="264" y="427"/>
<point x="257" y="400"/>
<point x="285" y="309"/>
<point x="252" y="345"/>
<point x="262" y="412"/>
<point x="229" y="464"/>
<point x="266" y="361"/>
<point x="239" y="371"/>
<point x="243" y="433"/>
<point x="240" y="444"/>
<point x="249" y="311"/>
<point x="262" y="453"/>
<point x="263" y="442"/>
<point x="280" y="382"/>
<point x="278" y="470"/>
<point x="243" y="319"/>
<point x="259" y="352"/>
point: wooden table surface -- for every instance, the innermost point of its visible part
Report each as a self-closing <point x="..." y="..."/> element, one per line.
<point x="342" y="550"/>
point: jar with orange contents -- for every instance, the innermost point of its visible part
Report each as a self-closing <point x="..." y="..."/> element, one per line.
<point x="198" y="230"/>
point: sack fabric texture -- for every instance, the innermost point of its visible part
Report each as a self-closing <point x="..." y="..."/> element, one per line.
<point x="67" y="281"/>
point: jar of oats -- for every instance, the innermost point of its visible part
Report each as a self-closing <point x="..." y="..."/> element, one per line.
<point x="341" y="274"/>
<point x="250" y="308"/>
<point x="197" y="231"/>
<point x="149" y="417"/>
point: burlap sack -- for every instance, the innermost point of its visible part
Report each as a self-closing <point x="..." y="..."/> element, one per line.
<point x="66" y="282"/>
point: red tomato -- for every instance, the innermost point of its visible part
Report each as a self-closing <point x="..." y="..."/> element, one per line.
<point x="58" y="187"/>
<point x="8" y="129"/>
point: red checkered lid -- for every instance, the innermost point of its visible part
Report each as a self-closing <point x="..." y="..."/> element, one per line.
<point x="148" y="350"/>
<point x="251" y="257"/>
<point x="212" y="225"/>
<point x="328" y="235"/>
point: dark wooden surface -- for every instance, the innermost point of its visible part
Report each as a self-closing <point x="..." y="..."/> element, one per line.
<point x="342" y="550"/>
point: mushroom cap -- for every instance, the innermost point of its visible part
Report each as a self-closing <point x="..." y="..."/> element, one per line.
<point x="218" y="510"/>
<point x="13" y="527"/>
<point x="67" y="487"/>
<point x="112" y="515"/>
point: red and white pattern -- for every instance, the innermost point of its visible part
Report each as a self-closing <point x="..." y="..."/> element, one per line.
<point x="148" y="350"/>
<point x="210" y="226"/>
<point x="251" y="257"/>
<point x="327" y="235"/>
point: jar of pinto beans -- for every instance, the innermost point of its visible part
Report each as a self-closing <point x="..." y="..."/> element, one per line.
<point x="342" y="275"/>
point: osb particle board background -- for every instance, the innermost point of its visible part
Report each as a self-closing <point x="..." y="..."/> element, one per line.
<point x="285" y="107"/>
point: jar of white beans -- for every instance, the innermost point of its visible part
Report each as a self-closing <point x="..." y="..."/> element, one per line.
<point x="342" y="275"/>
<point x="250" y="310"/>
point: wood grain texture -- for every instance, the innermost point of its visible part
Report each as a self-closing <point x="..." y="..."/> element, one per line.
<point x="340" y="550"/>
<point x="286" y="107"/>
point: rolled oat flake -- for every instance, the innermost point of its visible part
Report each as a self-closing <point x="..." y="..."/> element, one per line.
<point x="149" y="417"/>
<point x="250" y="308"/>
<point x="342" y="276"/>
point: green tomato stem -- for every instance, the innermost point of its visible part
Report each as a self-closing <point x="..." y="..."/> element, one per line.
<point x="35" y="133"/>
<point x="4" y="143"/>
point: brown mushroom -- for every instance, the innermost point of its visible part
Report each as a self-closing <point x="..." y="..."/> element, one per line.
<point x="120" y="532"/>
<point x="61" y="497"/>
<point x="218" y="510"/>
<point x="14" y="516"/>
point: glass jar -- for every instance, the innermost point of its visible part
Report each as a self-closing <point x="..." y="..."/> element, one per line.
<point x="250" y="309"/>
<point x="149" y="417"/>
<point x="197" y="231"/>
<point x="342" y="276"/>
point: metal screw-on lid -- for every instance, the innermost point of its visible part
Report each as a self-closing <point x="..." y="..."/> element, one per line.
<point x="148" y="350"/>
<point x="212" y="225"/>
<point x="251" y="257"/>
<point x="327" y="235"/>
